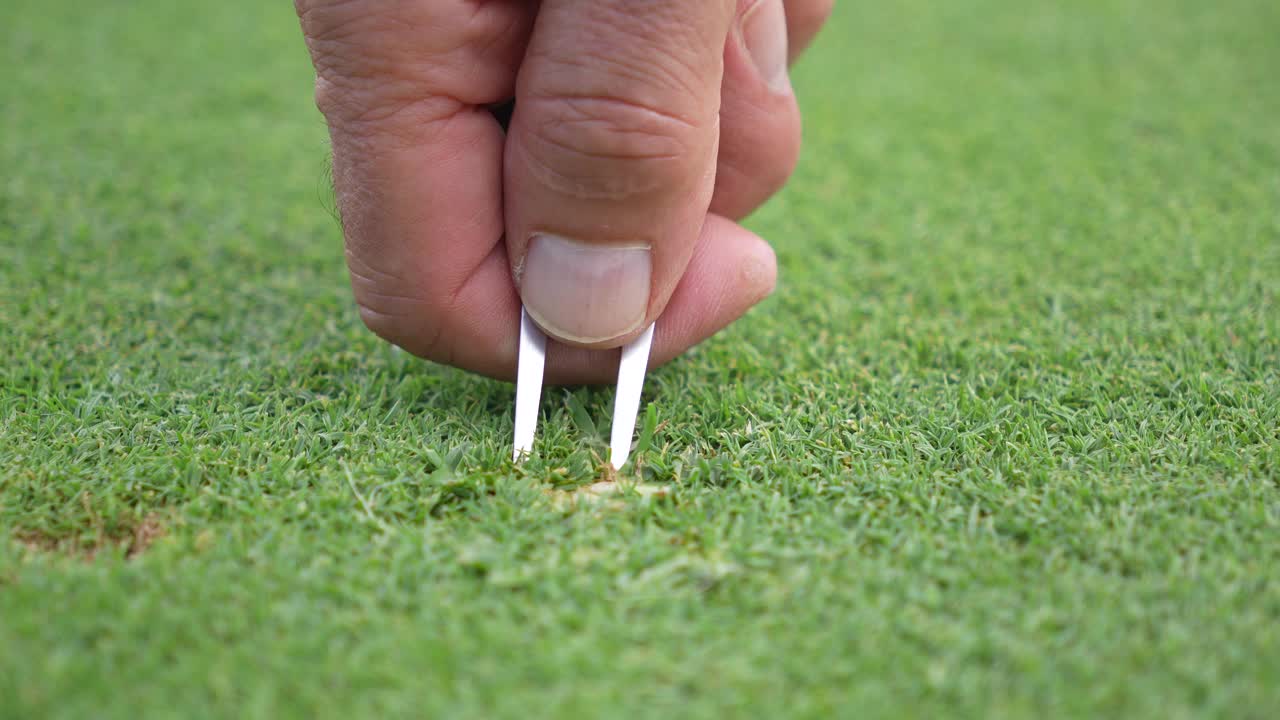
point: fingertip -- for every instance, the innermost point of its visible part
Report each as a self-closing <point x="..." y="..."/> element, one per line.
<point x="760" y="127"/>
<point x="759" y="269"/>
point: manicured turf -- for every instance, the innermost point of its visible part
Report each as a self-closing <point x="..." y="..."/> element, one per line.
<point x="1003" y="444"/>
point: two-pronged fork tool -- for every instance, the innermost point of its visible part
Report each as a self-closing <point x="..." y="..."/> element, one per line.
<point x="626" y="401"/>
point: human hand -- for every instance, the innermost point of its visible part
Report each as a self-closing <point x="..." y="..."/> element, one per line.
<point x="642" y="130"/>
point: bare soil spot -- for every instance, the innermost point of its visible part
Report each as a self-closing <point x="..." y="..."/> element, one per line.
<point x="607" y="494"/>
<point x="133" y="539"/>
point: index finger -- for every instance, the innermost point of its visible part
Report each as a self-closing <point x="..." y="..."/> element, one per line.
<point x="417" y="163"/>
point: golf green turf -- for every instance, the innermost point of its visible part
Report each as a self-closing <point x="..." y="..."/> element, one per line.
<point x="1003" y="444"/>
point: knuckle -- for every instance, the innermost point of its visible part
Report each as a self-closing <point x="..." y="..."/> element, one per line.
<point x="766" y="180"/>
<point x="424" y="342"/>
<point x="381" y="316"/>
<point x="360" y="76"/>
<point x="607" y="146"/>
<point x="785" y="157"/>
<point x="374" y="59"/>
<point x="378" y="106"/>
<point x="820" y="11"/>
<point x="394" y="309"/>
<point x="758" y="155"/>
<point x="379" y="322"/>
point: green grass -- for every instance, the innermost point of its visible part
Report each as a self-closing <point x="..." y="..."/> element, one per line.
<point x="1004" y="443"/>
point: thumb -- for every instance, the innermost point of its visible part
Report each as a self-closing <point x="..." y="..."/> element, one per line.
<point x="610" y="160"/>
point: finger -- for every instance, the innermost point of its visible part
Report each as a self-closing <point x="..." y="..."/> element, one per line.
<point x="417" y="161"/>
<point x="759" y="118"/>
<point x="804" y="19"/>
<point x="730" y="271"/>
<point x="610" y="160"/>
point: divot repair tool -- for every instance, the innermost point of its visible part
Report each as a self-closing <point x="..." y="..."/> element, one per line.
<point x="626" y="400"/>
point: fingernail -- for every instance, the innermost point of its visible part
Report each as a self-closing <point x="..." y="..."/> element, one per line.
<point x="585" y="293"/>
<point x="764" y="33"/>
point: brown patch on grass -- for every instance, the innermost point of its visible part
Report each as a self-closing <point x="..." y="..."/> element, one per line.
<point x="145" y="534"/>
<point x="133" y="539"/>
<point x="607" y="494"/>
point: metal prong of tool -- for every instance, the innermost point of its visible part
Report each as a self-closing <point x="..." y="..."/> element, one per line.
<point x="626" y="403"/>
<point x="626" y="399"/>
<point x="529" y="365"/>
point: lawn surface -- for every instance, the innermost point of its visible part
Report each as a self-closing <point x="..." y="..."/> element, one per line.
<point x="1003" y="444"/>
